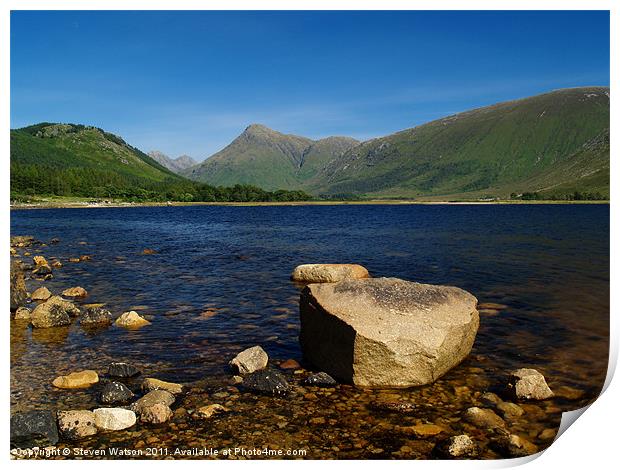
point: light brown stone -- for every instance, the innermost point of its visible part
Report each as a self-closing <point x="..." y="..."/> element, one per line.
<point x="75" y="292"/>
<point x="82" y="379"/>
<point x="150" y="384"/>
<point x="42" y="293"/>
<point x="328" y="272"/>
<point x="131" y="320"/>
<point x="76" y="424"/>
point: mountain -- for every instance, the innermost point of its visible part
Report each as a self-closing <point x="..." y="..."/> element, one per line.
<point x="60" y="158"/>
<point x="269" y="159"/>
<point x="177" y="165"/>
<point x="555" y="143"/>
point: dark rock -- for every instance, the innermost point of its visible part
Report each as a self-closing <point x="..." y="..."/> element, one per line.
<point x="34" y="429"/>
<point x="320" y="379"/>
<point x="122" y="369"/>
<point x="18" y="287"/>
<point x="53" y="241"/>
<point x="511" y="445"/>
<point x="268" y="382"/>
<point x="96" y="316"/>
<point x="115" y="393"/>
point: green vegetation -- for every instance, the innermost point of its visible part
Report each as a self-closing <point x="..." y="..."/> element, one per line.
<point x="80" y="161"/>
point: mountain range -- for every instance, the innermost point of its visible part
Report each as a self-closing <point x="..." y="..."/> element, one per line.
<point x="553" y="144"/>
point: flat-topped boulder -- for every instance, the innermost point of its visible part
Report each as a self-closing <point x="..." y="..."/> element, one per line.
<point x="386" y="332"/>
<point x="81" y="379"/>
<point x="328" y="272"/>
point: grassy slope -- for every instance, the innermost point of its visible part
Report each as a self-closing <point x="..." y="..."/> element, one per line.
<point x="263" y="157"/>
<point x="71" y="146"/>
<point x="523" y="145"/>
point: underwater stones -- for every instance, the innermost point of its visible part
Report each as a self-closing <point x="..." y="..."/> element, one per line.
<point x="82" y="379"/>
<point x="150" y="384"/>
<point x="115" y="393"/>
<point x="529" y="384"/>
<point x="509" y="410"/>
<point x="421" y="431"/>
<point x="122" y="369"/>
<point x="42" y="293"/>
<point x="53" y="312"/>
<point x="250" y="360"/>
<point x="114" y="419"/>
<point x="290" y="364"/>
<point x="386" y="332"/>
<point x="76" y="424"/>
<point x="155" y="414"/>
<point x="131" y="320"/>
<point x="75" y="292"/>
<point x="483" y="418"/>
<point x="34" y="429"/>
<point x="267" y="382"/>
<point x="328" y="272"/>
<point x="209" y="411"/>
<point x="320" y="379"/>
<point x="96" y="317"/>
<point x="457" y="447"/>
<point x="511" y="445"/>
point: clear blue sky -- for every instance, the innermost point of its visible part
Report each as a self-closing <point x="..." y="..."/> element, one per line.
<point x="189" y="82"/>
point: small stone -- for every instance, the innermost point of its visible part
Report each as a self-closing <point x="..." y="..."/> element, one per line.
<point x="316" y="421"/>
<point x="236" y="379"/>
<point x="149" y="251"/>
<point x="155" y="414"/>
<point x="566" y="392"/>
<point x="266" y="382"/>
<point x="82" y="379"/>
<point x="209" y="410"/>
<point x="398" y="406"/>
<point x="85" y="258"/>
<point x="514" y="446"/>
<point x="75" y="292"/>
<point x="320" y="379"/>
<point x="509" y="410"/>
<point x="422" y="431"/>
<point x="548" y="434"/>
<point x="483" y="418"/>
<point x="76" y="424"/>
<point x="23" y="313"/>
<point x="33" y="429"/>
<point x="96" y="317"/>
<point x="122" y="369"/>
<point x="250" y="360"/>
<point x="42" y="293"/>
<point x="115" y="393"/>
<point x="150" y="384"/>
<point x="114" y="419"/>
<point x="458" y="447"/>
<point x="57" y="264"/>
<point x="529" y="384"/>
<point x="290" y="364"/>
<point x="74" y="260"/>
<point x="39" y="261"/>
<point x="131" y="320"/>
<point x="152" y="398"/>
<point x="490" y="399"/>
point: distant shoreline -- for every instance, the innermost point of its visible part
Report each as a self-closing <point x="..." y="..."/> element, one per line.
<point x="392" y="202"/>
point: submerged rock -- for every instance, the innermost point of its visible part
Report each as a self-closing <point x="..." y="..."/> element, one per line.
<point x="114" y="419"/>
<point x="42" y="293"/>
<point x="75" y="292"/>
<point x="320" y="379"/>
<point x="483" y="418"/>
<point x="21" y="241"/>
<point x="509" y="410"/>
<point x="23" y="313"/>
<point x="386" y="332"/>
<point x="457" y="447"/>
<point x="122" y="369"/>
<point x="328" y="272"/>
<point x="529" y="384"/>
<point x="511" y="445"/>
<point x="115" y="393"/>
<point x="290" y="364"/>
<point x="96" y="317"/>
<point x="82" y="379"/>
<point x="53" y="312"/>
<point x="76" y="424"/>
<point x="250" y="360"/>
<point x="209" y="410"/>
<point x="150" y="384"/>
<point x="131" y="320"/>
<point x="267" y="382"/>
<point x="34" y="429"/>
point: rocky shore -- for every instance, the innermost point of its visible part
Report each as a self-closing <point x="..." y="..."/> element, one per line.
<point x="373" y="347"/>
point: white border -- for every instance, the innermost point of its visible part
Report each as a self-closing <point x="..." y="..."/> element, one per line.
<point x="590" y="443"/>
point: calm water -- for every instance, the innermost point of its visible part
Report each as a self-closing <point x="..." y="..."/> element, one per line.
<point x="220" y="283"/>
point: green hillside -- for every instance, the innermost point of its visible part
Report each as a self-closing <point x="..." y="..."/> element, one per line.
<point x="83" y="161"/>
<point x="554" y="143"/>
<point x="263" y="157"/>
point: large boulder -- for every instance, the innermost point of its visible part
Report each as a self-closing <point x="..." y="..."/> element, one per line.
<point x="18" y="287"/>
<point x="386" y="332"/>
<point x="328" y="272"/>
<point x="34" y="429"/>
<point x="53" y="312"/>
<point x="95" y="317"/>
<point x="250" y="360"/>
<point x="76" y="424"/>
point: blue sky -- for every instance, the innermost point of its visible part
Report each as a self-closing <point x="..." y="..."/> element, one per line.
<point x="189" y="82"/>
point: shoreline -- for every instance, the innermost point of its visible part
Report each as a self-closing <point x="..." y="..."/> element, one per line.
<point x="390" y="202"/>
